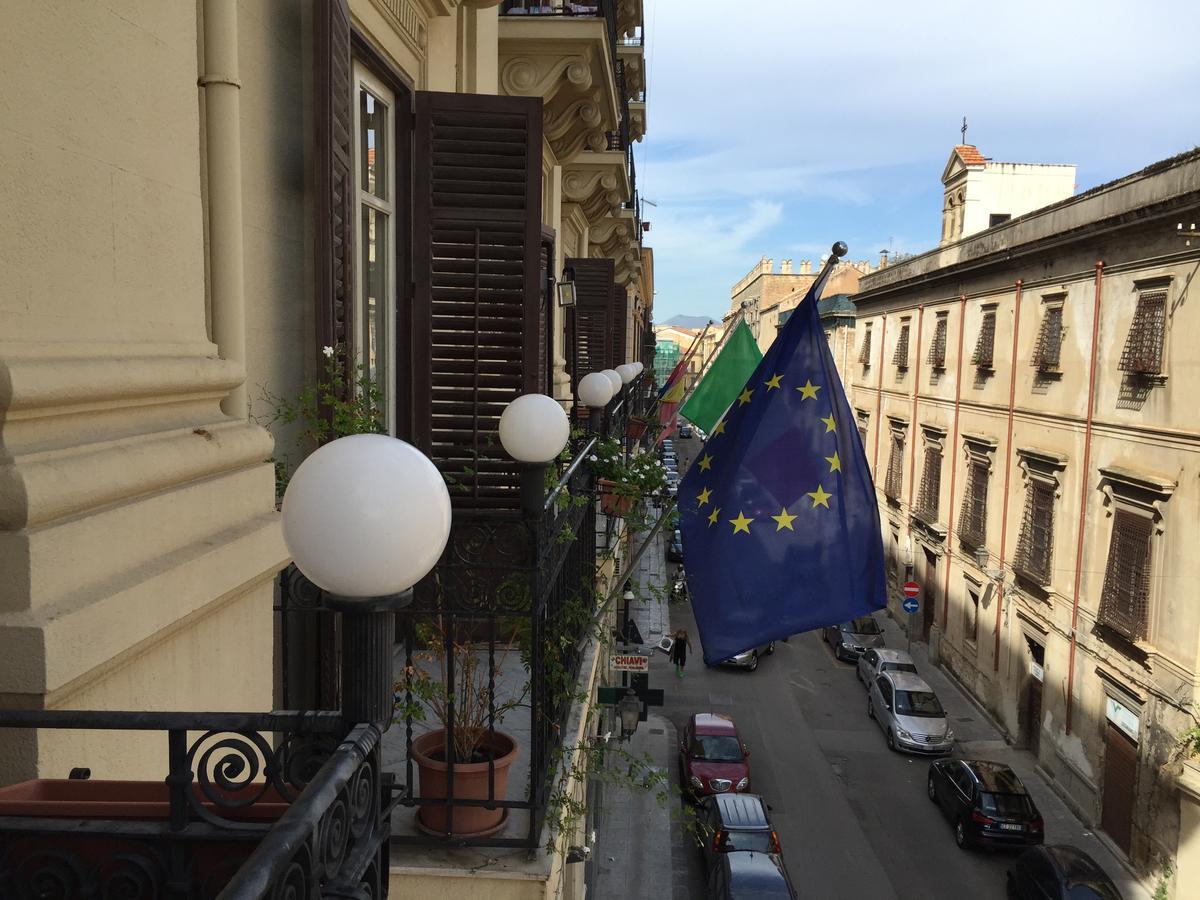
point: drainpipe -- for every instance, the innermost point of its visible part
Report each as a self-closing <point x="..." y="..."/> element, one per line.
<point x="1083" y="487"/>
<point x="223" y="149"/>
<point x="1012" y="395"/>
<point x="962" y="327"/>
<point x="879" y="392"/>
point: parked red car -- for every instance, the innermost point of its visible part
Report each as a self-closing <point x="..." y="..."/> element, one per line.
<point x="712" y="756"/>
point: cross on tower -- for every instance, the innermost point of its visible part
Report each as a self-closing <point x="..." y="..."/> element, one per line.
<point x="964" y="130"/>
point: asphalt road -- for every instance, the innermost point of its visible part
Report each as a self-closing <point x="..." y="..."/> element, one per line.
<point x="852" y="816"/>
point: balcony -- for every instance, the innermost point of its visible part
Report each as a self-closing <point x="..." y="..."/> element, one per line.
<point x="599" y="182"/>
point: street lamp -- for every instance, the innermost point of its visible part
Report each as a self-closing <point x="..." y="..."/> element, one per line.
<point x="981" y="557"/>
<point x="628" y="597"/>
<point x="365" y="518"/>
<point x="629" y="711"/>
<point x="533" y="431"/>
<point x="594" y="391"/>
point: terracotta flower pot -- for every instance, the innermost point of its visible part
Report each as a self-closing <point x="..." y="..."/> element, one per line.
<point x="470" y="783"/>
<point x="636" y="427"/>
<point x="612" y="503"/>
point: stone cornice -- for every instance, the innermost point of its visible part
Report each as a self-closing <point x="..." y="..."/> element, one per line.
<point x="637" y="120"/>
<point x="409" y="18"/>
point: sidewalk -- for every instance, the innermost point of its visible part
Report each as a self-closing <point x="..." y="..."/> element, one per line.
<point x="977" y="738"/>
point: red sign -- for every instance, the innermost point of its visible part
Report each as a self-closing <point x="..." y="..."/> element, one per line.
<point x="911" y="589"/>
<point x="630" y="663"/>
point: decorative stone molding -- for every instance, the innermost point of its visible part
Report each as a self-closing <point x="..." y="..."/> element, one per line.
<point x="1145" y="494"/>
<point x="572" y="126"/>
<point x="634" y="60"/>
<point x="438" y="7"/>
<point x="598" y="182"/>
<point x="410" y="20"/>
<point x="544" y="76"/>
<point x="637" y="121"/>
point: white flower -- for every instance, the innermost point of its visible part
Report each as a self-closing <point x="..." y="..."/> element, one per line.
<point x="592" y="458"/>
<point x="328" y="351"/>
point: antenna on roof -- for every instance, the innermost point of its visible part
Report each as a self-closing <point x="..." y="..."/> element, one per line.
<point x="964" y="130"/>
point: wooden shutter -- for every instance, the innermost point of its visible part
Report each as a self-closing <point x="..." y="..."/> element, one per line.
<point x="1046" y="354"/>
<point x="895" y="470"/>
<point x="985" y="345"/>
<point x="477" y="235"/>
<point x="972" y="517"/>
<point x="1125" y="598"/>
<point x="1035" y="546"/>
<point x="931" y="484"/>
<point x="1143" y="353"/>
<point x="593" y="316"/>
<point x="937" y="349"/>
<point x="546" y="308"/>
<point x="333" y="190"/>
<point x="900" y="360"/>
<point x="619" y="310"/>
<point x="864" y="351"/>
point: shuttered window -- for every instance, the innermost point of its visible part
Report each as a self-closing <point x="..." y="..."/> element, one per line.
<point x="895" y="470"/>
<point x="546" y="308"/>
<point x="972" y="518"/>
<point x="864" y="421"/>
<point x="937" y="349"/>
<point x="900" y="359"/>
<point x="864" y="351"/>
<point x="1125" y="599"/>
<point x="1035" y="546"/>
<point x="620" y="321"/>
<point x="476" y="267"/>
<point x="1047" y="353"/>
<point x="929" y="496"/>
<point x="985" y="344"/>
<point x="1143" y="353"/>
<point x="333" y="181"/>
<point x="593" y="317"/>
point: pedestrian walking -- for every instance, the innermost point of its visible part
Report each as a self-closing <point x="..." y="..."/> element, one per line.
<point x="679" y="651"/>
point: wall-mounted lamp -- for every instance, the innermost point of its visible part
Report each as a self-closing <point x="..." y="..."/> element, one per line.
<point x="566" y="288"/>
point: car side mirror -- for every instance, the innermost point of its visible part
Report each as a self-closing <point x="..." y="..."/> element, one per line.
<point x="745" y="751"/>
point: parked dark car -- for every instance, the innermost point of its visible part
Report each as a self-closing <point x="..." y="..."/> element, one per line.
<point x="748" y="659"/>
<point x="850" y="639"/>
<point x="746" y="874"/>
<point x="675" y="548"/>
<point x="987" y="803"/>
<point x="1059" y="872"/>
<point x="685" y="431"/>
<point x="712" y="757"/>
<point x="730" y="823"/>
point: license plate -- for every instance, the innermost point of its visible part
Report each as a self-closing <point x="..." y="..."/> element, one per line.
<point x="1008" y="826"/>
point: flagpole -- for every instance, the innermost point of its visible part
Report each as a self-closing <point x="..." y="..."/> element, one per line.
<point x="691" y="352"/>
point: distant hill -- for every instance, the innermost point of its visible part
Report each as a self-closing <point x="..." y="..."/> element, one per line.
<point x="686" y="321"/>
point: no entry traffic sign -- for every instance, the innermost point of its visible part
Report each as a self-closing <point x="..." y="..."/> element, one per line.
<point x="911" y="589"/>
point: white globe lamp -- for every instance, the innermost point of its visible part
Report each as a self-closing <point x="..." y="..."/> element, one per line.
<point x="594" y="390"/>
<point x="366" y="516"/>
<point x="614" y="379"/>
<point x="534" y="429"/>
<point x="628" y="372"/>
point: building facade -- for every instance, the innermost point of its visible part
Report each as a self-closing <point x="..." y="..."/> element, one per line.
<point x="1024" y="396"/>
<point x="248" y="184"/>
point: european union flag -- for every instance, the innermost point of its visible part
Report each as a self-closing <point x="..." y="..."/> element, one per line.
<point x="778" y="513"/>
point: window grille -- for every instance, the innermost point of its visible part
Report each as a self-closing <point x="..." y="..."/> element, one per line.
<point x="895" y="472"/>
<point x="1046" y="354"/>
<point x="1125" y="600"/>
<point x="972" y="518"/>
<point x="901" y="357"/>
<point x="931" y="484"/>
<point x="1035" y="546"/>
<point x="864" y="352"/>
<point x="937" y="350"/>
<point x="987" y="339"/>
<point x="1143" y="353"/>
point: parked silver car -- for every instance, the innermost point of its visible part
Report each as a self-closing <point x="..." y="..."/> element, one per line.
<point x="881" y="659"/>
<point x="850" y="639"/>
<point x="909" y="713"/>
<point x="749" y="658"/>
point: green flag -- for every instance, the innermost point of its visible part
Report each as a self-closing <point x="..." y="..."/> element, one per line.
<point x="725" y="379"/>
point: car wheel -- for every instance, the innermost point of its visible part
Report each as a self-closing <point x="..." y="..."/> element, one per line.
<point x="960" y="834"/>
<point x="931" y="790"/>
<point x="870" y="708"/>
<point x="771" y="648"/>
<point x="891" y="740"/>
<point x="753" y="661"/>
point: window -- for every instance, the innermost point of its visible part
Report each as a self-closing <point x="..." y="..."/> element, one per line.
<point x="1137" y="504"/>
<point x="1145" y="345"/>
<point x="900" y="359"/>
<point x="864" y="351"/>
<point x="864" y="421"/>
<point x="971" y="620"/>
<point x="1035" y="546"/>
<point x="1047" y="353"/>
<point x="375" y="266"/>
<point x="984" y="346"/>
<point x="937" y="349"/>
<point x="929" y="496"/>
<point x="998" y="219"/>
<point x="895" y="469"/>
<point x="972" y="517"/>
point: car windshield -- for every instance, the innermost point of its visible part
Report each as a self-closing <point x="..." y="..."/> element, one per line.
<point x="759" y="841"/>
<point x="919" y="703"/>
<point x="716" y="748"/>
<point x="1015" y="806"/>
<point x="865" y="625"/>
<point x="898" y="667"/>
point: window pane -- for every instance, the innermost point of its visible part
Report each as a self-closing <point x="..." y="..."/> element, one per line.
<point x="374" y="242"/>
<point x="372" y="142"/>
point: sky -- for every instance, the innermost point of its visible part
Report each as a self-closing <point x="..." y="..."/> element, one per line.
<point x="776" y="127"/>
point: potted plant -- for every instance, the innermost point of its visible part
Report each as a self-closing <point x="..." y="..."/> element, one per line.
<point x="636" y="427"/>
<point x="622" y="481"/>
<point x="477" y="753"/>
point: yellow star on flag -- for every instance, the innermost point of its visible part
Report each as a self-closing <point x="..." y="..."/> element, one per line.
<point x="820" y="498"/>
<point x="703" y="496"/>
<point x="712" y="520"/>
<point x="809" y="391"/>
<point x="835" y="464"/>
<point x="773" y="383"/>
<point x="784" y="520"/>
<point x="741" y="523"/>
<point x="830" y="425"/>
<point x="705" y="463"/>
<point x="744" y="396"/>
<point x="718" y="429"/>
